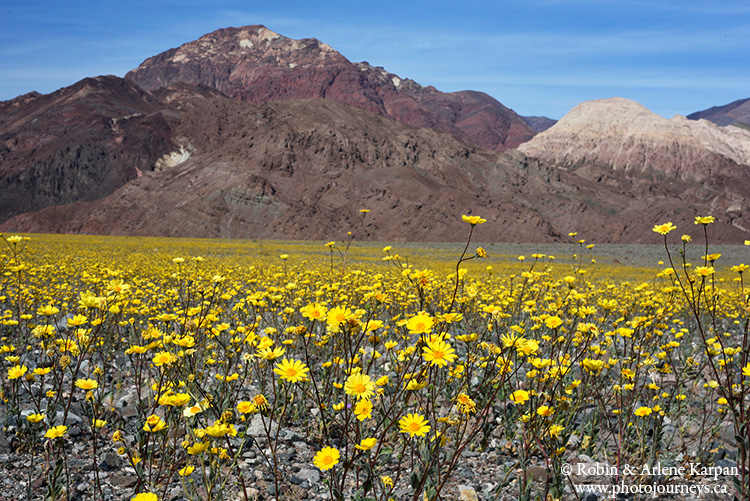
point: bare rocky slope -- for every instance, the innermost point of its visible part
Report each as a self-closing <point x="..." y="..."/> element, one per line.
<point x="291" y="169"/>
<point x="302" y="169"/>
<point x="626" y="136"/>
<point x="79" y="143"/>
<point x="620" y="138"/>
<point x="256" y="65"/>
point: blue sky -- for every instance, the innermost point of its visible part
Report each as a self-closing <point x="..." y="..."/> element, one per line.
<point x="539" y="57"/>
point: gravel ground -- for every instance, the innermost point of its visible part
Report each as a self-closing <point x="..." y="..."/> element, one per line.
<point x="490" y="475"/>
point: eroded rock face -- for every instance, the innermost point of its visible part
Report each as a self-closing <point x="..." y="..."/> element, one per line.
<point x="79" y="143"/>
<point x="302" y="169"/>
<point x="290" y="169"/>
<point x="256" y="65"/>
<point x="623" y="134"/>
<point x="621" y="144"/>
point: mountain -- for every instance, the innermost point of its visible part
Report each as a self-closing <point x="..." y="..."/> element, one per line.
<point x="626" y="136"/>
<point x="79" y="143"/>
<point x="540" y="124"/>
<point x="284" y="169"/>
<point x="256" y="65"/>
<point x="618" y="142"/>
<point x="735" y="113"/>
<point x="188" y="161"/>
<point x="248" y="134"/>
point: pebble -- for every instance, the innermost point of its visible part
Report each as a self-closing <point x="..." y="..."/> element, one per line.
<point x="538" y="473"/>
<point x="312" y="477"/>
<point x="467" y="493"/>
<point x="123" y="481"/>
<point x="256" y="428"/>
<point x="573" y="442"/>
<point x="128" y="412"/>
<point x="111" y="461"/>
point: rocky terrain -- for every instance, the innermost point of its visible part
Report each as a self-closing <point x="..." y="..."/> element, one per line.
<point x="491" y="474"/>
<point x="304" y="168"/>
<point x="79" y="143"/>
<point x="256" y="65"/>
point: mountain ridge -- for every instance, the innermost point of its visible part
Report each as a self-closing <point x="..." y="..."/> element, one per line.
<point x="734" y="113"/>
<point x="255" y="64"/>
<point x="302" y="169"/>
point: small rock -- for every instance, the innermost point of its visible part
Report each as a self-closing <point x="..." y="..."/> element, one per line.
<point x="82" y="487"/>
<point x="538" y="473"/>
<point x="725" y="463"/>
<point x="4" y="443"/>
<point x="290" y="435"/>
<point x="311" y="476"/>
<point x="174" y="493"/>
<point x="256" y="428"/>
<point x="129" y="412"/>
<point x="123" y="481"/>
<point x="466" y="473"/>
<point x="573" y="442"/>
<point x="73" y="419"/>
<point x="402" y="493"/>
<point x="111" y="461"/>
<point x="128" y="398"/>
<point x="467" y="493"/>
<point x="286" y="456"/>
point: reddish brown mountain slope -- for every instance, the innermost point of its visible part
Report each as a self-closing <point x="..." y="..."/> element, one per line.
<point x="303" y="169"/>
<point x="79" y="143"/>
<point x="257" y="65"/>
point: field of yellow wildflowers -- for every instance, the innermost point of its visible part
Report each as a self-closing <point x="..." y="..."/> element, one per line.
<point x="144" y="368"/>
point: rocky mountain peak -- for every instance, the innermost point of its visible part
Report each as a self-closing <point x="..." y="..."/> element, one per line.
<point x="608" y="115"/>
<point x="256" y="44"/>
<point x="257" y="65"/>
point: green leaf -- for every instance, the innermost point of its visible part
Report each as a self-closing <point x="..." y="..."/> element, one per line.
<point x="385" y="451"/>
